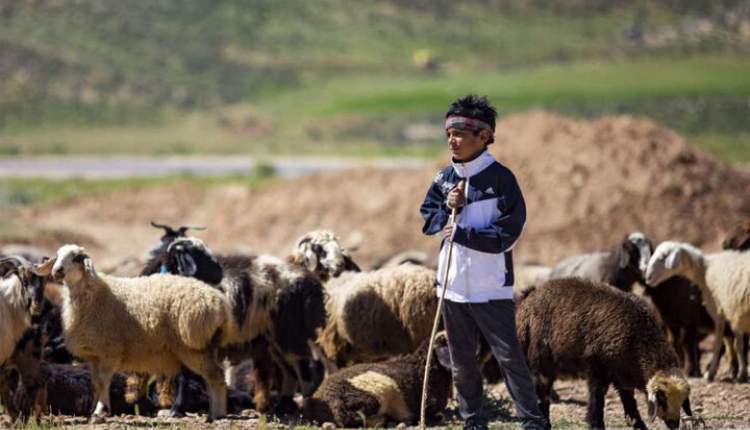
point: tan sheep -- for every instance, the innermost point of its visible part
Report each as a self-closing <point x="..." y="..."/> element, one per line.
<point x="152" y="324"/>
<point x="375" y="315"/>
<point x="724" y="280"/>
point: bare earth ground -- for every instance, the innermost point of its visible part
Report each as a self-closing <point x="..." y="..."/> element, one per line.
<point x="587" y="184"/>
<point x="720" y="405"/>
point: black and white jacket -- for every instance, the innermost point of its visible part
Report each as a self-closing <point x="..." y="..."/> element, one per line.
<point x="488" y="227"/>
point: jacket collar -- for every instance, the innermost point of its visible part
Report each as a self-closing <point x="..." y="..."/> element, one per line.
<point x="471" y="168"/>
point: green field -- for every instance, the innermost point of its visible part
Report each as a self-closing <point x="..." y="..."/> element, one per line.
<point x="329" y="77"/>
<point x="365" y="115"/>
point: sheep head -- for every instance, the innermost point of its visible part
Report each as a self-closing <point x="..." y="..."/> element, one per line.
<point x="31" y="283"/>
<point x="70" y="264"/>
<point x="667" y="392"/>
<point x="189" y="256"/>
<point x="644" y="246"/>
<point x="320" y="251"/>
<point x="672" y="259"/>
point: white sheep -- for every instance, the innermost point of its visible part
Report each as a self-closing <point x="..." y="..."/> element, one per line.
<point x="21" y="293"/>
<point x="378" y="314"/>
<point x="724" y="280"/>
<point x="321" y="252"/>
<point x="152" y="324"/>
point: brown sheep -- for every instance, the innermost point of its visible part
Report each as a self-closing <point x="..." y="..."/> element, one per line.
<point x="571" y="327"/>
<point x="369" y="393"/>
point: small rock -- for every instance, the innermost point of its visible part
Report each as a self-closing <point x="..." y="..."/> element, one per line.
<point x="328" y="426"/>
<point x="401" y="426"/>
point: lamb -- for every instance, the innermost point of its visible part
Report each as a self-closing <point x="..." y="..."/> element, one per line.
<point x="622" y="266"/>
<point x="572" y="327"/>
<point x="152" y="324"/>
<point x="21" y="296"/>
<point x="321" y="252"/>
<point x="278" y="306"/>
<point x="375" y="315"/>
<point x="369" y="393"/>
<point x="724" y="280"/>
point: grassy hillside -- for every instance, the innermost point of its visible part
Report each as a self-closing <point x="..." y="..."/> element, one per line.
<point x="285" y="76"/>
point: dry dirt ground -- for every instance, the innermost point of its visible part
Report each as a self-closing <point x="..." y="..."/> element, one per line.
<point x="587" y="184"/>
<point x="719" y="405"/>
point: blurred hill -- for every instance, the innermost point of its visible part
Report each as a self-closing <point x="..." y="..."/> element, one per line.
<point x="596" y="182"/>
<point x="189" y="76"/>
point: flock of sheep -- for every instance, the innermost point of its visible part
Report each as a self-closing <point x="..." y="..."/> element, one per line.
<point x="197" y="332"/>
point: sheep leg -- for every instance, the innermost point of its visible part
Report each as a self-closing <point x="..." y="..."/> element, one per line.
<point x="729" y="342"/>
<point x="101" y="379"/>
<point x="206" y="366"/>
<point x="630" y="407"/>
<point x="543" y="393"/>
<point x="261" y="374"/>
<point x="718" y="337"/>
<point x="595" y="412"/>
<point x="691" y="352"/>
<point x="286" y="403"/>
<point x="177" y="409"/>
<point x="741" y="354"/>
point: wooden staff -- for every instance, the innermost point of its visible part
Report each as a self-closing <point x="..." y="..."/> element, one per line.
<point x="423" y="407"/>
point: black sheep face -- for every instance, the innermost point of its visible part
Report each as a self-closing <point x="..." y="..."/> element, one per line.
<point x="190" y="257"/>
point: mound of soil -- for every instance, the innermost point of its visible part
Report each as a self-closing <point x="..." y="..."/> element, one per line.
<point x="587" y="184"/>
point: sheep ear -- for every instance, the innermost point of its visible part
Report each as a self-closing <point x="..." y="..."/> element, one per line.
<point x="651" y="407"/>
<point x="311" y="260"/>
<point x="186" y="265"/>
<point x="673" y="259"/>
<point x="88" y="266"/>
<point x="624" y="257"/>
<point x="686" y="407"/>
<point x="45" y="268"/>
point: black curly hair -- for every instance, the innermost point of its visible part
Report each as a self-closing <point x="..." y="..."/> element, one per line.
<point x="477" y="107"/>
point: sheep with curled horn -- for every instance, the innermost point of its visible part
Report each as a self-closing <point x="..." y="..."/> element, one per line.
<point x="321" y="252"/>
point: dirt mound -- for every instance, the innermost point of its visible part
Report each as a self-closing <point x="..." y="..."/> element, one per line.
<point x="587" y="184"/>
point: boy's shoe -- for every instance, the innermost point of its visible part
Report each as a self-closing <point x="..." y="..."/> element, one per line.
<point x="531" y="424"/>
<point x="475" y="424"/>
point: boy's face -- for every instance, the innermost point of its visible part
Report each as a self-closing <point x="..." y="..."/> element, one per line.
<point x="464" y="144"/>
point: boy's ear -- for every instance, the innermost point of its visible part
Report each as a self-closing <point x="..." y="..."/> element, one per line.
<point x="484" y="134"/>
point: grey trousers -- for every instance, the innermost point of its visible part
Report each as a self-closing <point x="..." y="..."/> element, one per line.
<point x="496" y="321"/>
